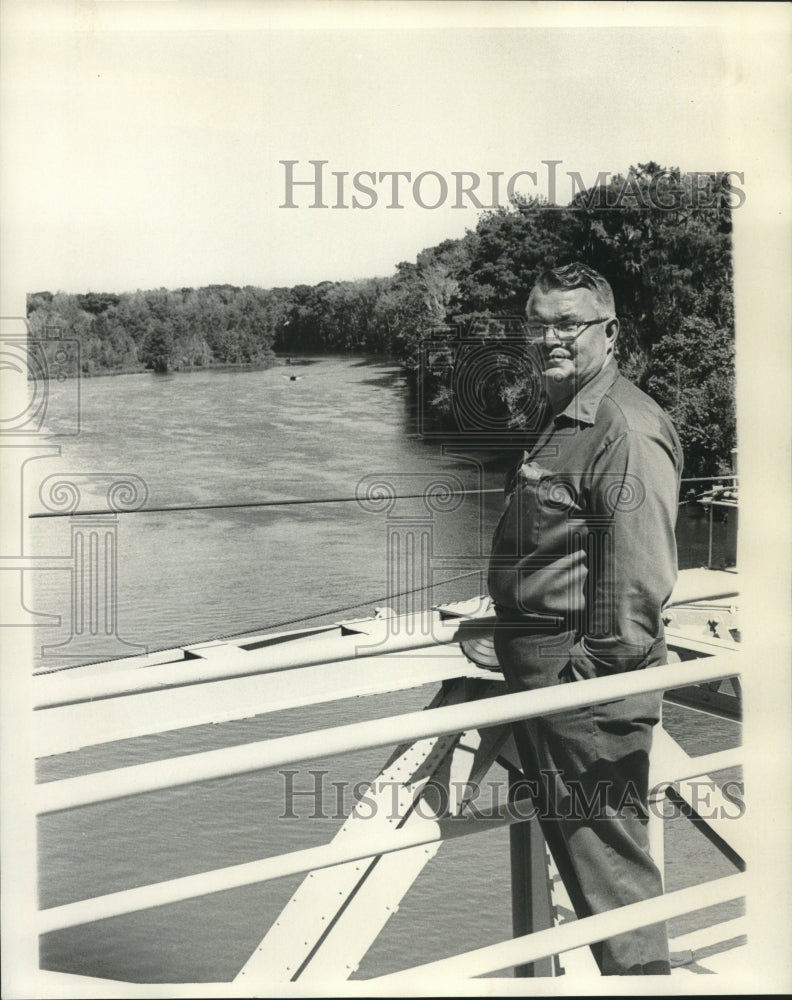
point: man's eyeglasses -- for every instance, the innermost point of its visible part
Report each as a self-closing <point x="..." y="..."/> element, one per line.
<point x="566" y="333"/>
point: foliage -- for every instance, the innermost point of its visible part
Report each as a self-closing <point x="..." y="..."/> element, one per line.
<point x="671" y="272"/>
<point x="161" y="330"/>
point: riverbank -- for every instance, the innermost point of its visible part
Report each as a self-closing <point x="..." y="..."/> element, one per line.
<point x="177" y="370"/>
<point x="293" y="359"/>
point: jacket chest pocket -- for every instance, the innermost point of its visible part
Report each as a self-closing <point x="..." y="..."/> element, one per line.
<point x="547" y="501"/>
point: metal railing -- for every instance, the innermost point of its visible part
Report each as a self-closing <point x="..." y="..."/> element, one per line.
<point x="310" y="859"/>
<point x="118" y="783"/>
<point x="556" y="940"/>
<point x="497" y="710"/>
<point x="712" y="502"/>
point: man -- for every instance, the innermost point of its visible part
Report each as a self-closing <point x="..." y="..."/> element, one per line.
<point x="583" y="560"/>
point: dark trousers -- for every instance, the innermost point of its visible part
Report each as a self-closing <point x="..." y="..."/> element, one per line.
<point x="589" y="770"/>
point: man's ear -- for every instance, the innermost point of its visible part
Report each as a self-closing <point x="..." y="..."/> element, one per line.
<point x="612" y="332"/>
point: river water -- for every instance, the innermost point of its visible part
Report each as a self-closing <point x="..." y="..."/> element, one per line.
<point x="220" y="437"/>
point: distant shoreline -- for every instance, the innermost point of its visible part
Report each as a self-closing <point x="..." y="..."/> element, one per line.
<point x="293" y="359"/>
<point x="186" y="370"/>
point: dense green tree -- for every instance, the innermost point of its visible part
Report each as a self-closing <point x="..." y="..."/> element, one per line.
<point x="157" y="349"/>
<point x="663" y="239"/>
<point x="505" y="253"/>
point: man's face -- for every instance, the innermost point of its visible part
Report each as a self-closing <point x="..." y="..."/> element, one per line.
<point x="571" y="364"/>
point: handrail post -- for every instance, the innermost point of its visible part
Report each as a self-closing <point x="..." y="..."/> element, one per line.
<point x="656" y="820"/>
<point x="532" y="908"/>
<point x="709" y="553"/>
<point x="656" y="828"/>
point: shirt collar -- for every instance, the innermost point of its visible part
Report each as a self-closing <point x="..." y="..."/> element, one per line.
<point x="583" y="406"/>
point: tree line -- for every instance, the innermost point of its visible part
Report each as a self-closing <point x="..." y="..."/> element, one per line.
<point x="668" y="259"/>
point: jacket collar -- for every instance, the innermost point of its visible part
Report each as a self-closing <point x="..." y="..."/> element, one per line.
<point x="583" y="406"/>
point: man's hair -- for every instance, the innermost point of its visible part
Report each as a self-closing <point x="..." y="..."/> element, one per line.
<point x="577" y="275"/>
